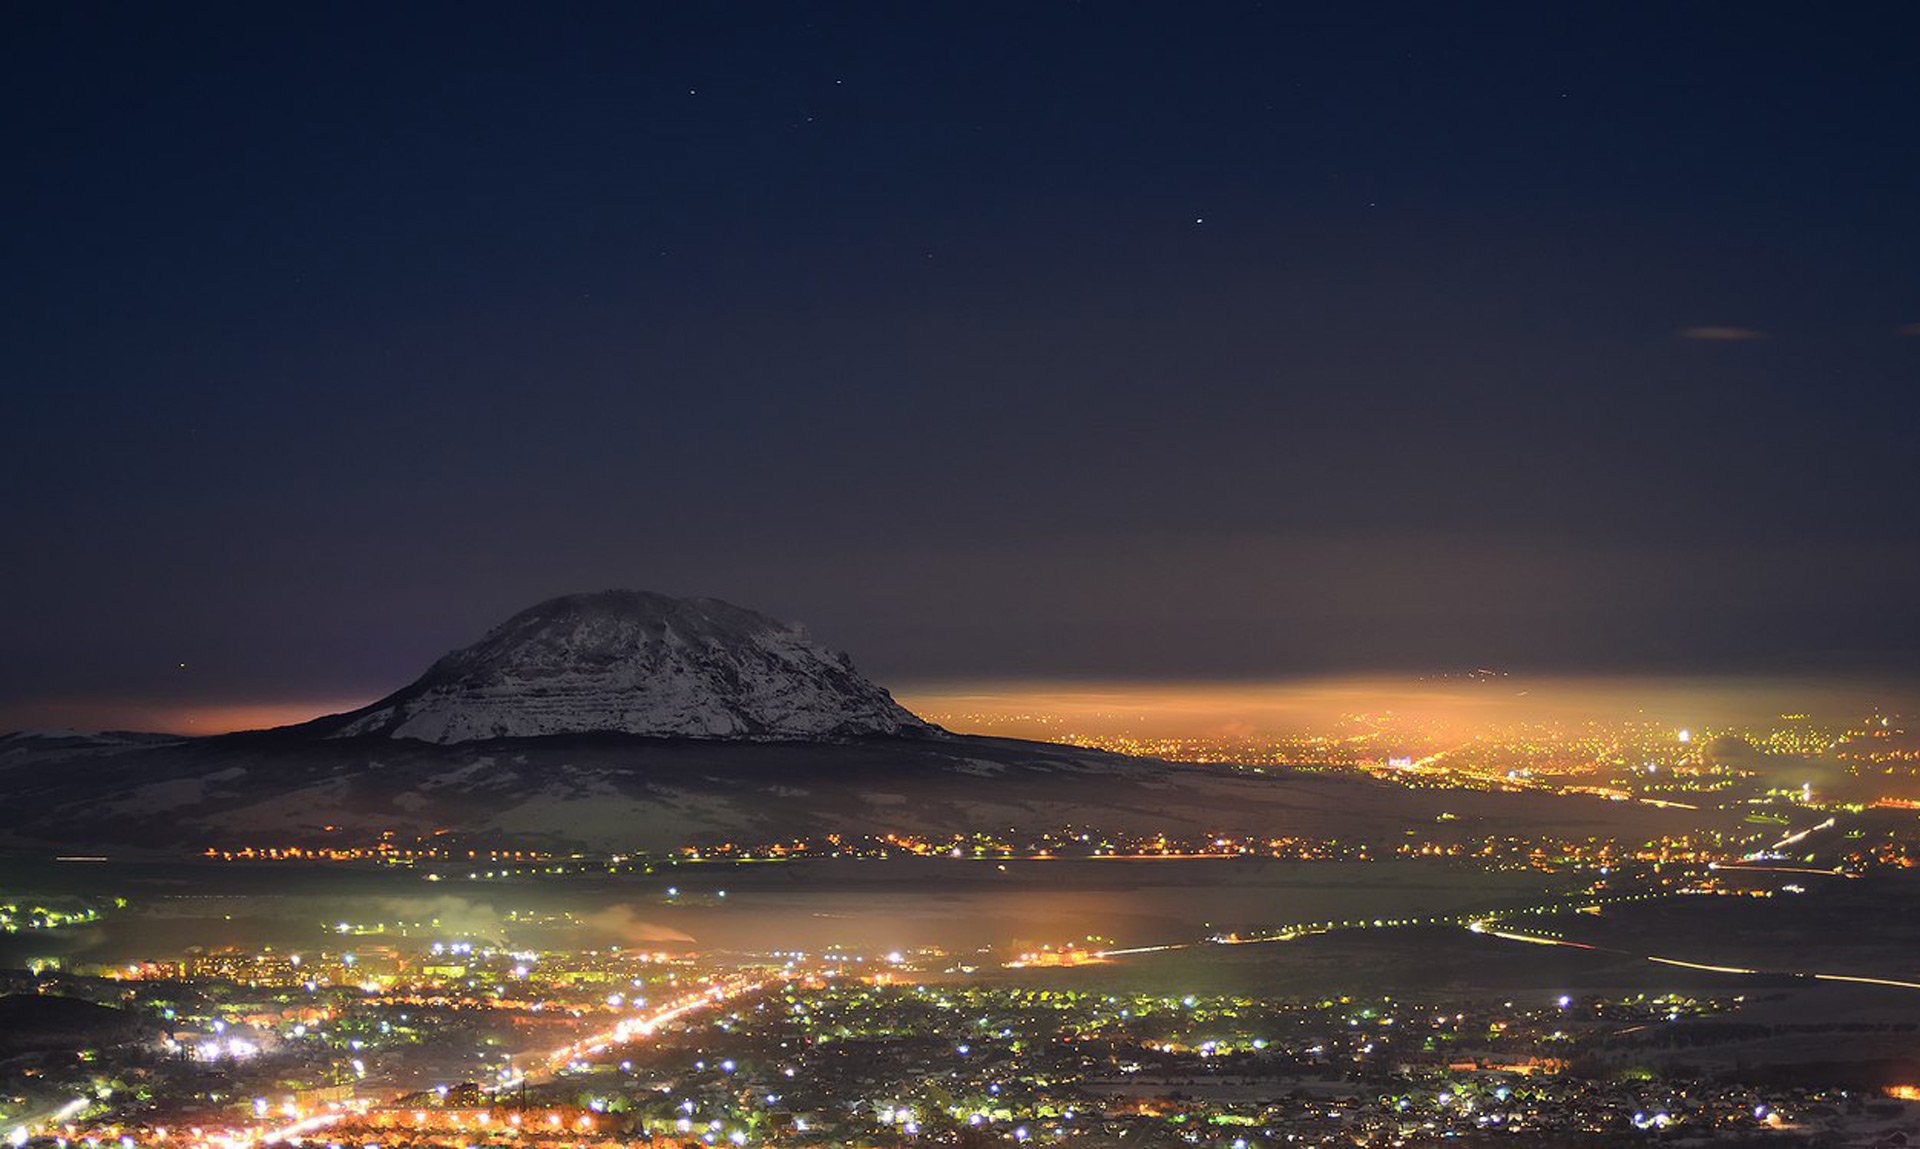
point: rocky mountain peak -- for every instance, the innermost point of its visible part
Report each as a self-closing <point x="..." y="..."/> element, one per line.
<point x="638" y="663"/>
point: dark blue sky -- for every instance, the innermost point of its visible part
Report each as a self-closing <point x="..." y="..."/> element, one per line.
<point x="1102" y="339"/>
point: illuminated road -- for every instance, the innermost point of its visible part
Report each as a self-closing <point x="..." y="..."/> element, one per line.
<point x="544" y="1065"/>
<point x="1792" y="839"/>
<point x="1743" y="867"/>
<point x="45" y="1122"/>
<point x="288" y="1132"/>
<point x="1486" y="928"/>
<point x="292" y="1125"/>
<point x="1288" y="933"/>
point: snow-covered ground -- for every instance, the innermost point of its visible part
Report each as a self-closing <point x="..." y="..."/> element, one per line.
<point x="637" y="663"/>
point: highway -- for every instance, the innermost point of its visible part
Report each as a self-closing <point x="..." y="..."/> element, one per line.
<point x="535" y="1068"/>
<point x="1485" y="928"/>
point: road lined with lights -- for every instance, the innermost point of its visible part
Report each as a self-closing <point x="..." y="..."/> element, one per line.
<point x="526" y="1069"/>
<point x="551" y="1063"/>
<point x="1486" y="929"/>
<point x="1474" y="921"/>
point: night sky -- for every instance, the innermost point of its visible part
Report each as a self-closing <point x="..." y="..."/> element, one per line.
<point x="1071" y="340"/>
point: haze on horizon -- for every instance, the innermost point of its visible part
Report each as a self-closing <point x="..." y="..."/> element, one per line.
<point x="1462" y="705"/>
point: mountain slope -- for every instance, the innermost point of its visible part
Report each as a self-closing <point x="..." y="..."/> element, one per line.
<point x="633" y="662"/>
<point x="622" y="721"/>
<point x="606" y="793"/>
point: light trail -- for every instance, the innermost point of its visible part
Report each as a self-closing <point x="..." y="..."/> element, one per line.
<point x="1895" y="982"/>
<point x="1480" y="927"/>
<point x="1703" y="965"/>
<point x="1535" y="940"/>
<point x="1283" y="936"/>
<point x="1836" y="872"/>
<point x="1477" y="925"/>
<point x="1792" y="839"/>
<point x="1144" y="949"/>
<point x="27" y="1129"/>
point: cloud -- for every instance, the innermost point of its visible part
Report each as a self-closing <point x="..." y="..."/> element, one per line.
<point x="1910" y="329"/>
<point x="453" y="917"/>
<point x="621" y="922"/>
<point x="1720" y="334"/>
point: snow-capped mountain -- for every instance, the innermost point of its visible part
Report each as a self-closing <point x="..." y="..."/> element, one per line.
<point x="633" y="662"/>
<point x="625" y="721"/>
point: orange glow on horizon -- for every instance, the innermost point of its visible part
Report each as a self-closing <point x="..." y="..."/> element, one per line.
<point x="168" y="717"/>
<point x="1248" y="709"/>
<point x="1054" y="709"/>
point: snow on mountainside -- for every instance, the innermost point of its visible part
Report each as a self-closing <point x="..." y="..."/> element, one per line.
<point x="638" y="722"/>
<point x="636" y="663"/>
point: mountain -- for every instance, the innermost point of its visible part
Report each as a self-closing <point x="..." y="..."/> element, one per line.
<point x="632" y="662"/>
<point x="626" y="721"/>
